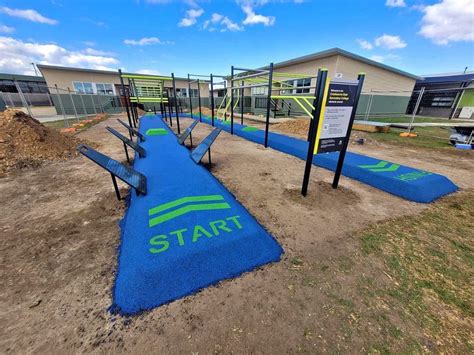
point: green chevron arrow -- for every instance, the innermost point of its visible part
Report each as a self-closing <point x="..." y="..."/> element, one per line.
<point x="380" y="164"/>
<point x="381" y="167"/>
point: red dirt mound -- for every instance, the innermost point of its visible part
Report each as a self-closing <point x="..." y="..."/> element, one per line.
<point x="25" y="142"/>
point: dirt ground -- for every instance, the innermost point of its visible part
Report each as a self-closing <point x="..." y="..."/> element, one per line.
<point x="59" y="238"/>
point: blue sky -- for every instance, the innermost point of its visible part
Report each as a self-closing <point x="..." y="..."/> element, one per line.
<point x="181" y="36"/>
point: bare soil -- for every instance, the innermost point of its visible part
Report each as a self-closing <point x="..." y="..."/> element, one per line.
<point x="59" y="238"/>
<point x="25" y="142"/>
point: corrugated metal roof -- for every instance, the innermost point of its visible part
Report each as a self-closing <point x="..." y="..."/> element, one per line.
<point x="6" y="76"/>
<point x="451" y="78"/>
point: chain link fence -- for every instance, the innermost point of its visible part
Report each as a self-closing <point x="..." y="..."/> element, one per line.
<point x="55" y="103"/>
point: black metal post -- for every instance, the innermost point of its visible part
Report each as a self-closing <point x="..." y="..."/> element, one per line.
<point x="169" y="109"/>
<point x="135" y="104"/>
<point x="313" y="119"/>
<point x="190" y="99"/>
<point x="212" y="100"/>
<point x="225" y="100"/>
<point x="209" y="151"/>
<point x="199" y="101"/>
<point x="342" y="153"/>
<point x="232" y="100"/>
<point x="176" y="102"/>
<point x="126" y="152"/>
<point x="269" y="99"/>
<point x="117" y="191"/>
<point x="242" y="104"/>
<point x="125" y="96"/>
<point x="316" y="113"/>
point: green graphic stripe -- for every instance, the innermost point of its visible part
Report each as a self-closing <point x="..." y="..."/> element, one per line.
<point x="156" y="132"/>
<point x="186" y="209"/>
<point x="393" y="167"/>
<point x="182" y="201"/>
<point x="250" y="129"/>
<point x="381" y="164"/>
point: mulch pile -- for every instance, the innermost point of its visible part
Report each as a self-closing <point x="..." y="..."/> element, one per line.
<point x="25" y="142"/>
<point x="296" y="126"/>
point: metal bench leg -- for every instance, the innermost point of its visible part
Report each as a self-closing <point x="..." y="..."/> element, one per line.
<point x="209" y="152"/>
<point x="126" y="151"/>
<point x="117" y="191"/>
<point x="191" y="138"/>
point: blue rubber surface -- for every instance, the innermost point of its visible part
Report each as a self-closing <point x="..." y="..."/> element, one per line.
<point x="204" y="146"/>
<point x="187" y="233"/>
<point x="400" y="180"/>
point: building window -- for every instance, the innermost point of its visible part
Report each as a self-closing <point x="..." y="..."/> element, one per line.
<point x="260" y="102"/>
<point x="181" y="93"/>
<point x="104" y="89"/>
<point x="83" y="88"/>
<point x="7" y="86"/>
<point x="291" y="86"/>
<point x="194" y="92"/>
<point x="260" y="90"/>
<point x="303" y="83"/>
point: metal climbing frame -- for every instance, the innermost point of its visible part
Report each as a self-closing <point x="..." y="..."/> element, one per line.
<point x="275" y="82"/>
<point x="148" y="89"/>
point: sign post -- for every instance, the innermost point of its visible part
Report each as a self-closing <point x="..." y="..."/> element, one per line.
<point x="342" y="154"/>
<point x="335" y="106"/>
<point x="316" y="115"/>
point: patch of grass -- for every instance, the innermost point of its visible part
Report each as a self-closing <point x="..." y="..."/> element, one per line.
<point x="428" y="137"/>
<point x="429" y="259"/>
<point x="296" y="261"/>
<point x="407" y="119"/>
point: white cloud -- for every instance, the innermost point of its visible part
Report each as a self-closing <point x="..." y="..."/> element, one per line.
<point x="191" y="17"/>
<point x="253" y="18"/>
<point x="396" y="3"/>
<point x="18" y="55"/>
<point x="30" y="15"/>
<point x="225" y="23"/>
<point x="145" y="41"/>
<point x="390" y="42"/>
<point x="230" y="25"/>
<point x="448" y="21"/>
<point x="365" y="44"/>
<point x="6" y="29"/>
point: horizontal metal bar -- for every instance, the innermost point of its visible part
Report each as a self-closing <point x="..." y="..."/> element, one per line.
<point x="295" y="75"/>
<point x="249" y="70"/>
<point x="146" y="77"/>
<point x="250" y="75"/>
<point x="200" y="75"/>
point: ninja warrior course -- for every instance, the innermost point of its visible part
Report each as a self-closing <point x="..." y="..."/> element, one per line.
<point x="183" y="230"/>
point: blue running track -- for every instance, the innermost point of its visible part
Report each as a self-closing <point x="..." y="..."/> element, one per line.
<point x="400" y="180"/>
<point x="187" y="233"/>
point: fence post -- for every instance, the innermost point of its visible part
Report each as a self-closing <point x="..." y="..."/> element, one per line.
<point x="369" y="105"/>
<point x="66" y="124"/>
<point x="93" y="104"/>
<point x="83" y="105"/>
<point x="415" y="110"/>
<point x="73" y="105"/>
<point x="23" y="99"/>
